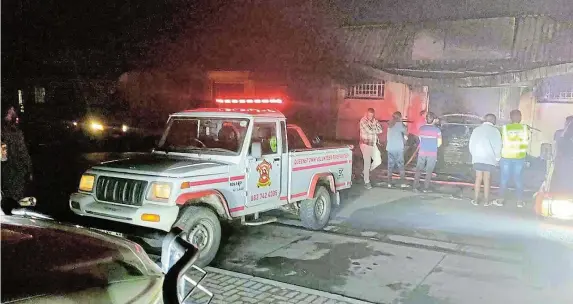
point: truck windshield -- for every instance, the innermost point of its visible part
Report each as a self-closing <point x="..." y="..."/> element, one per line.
<point x="204" y="134"/>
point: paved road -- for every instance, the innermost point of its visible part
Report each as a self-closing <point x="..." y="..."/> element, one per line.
<point x="392" y="246"/>
<point x="384" y="246"/>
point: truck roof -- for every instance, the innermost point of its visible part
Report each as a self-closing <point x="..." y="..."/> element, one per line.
<point x="230" y="112"/>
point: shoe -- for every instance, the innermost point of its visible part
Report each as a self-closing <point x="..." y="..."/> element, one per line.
<point x="498" y="202"/>
<point x="488" y="203"/>
<point x="427" y="190"/>
<point x="520" y="204"/>
<point x="416" y="190"/>
<point x="404" y="186"/>
<point x="474" y="202"/>
<point x="389" y="186"/>
<point x="368" y="186"/>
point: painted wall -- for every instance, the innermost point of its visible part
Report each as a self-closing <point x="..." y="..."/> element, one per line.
<point x="545" y="117"/>
<point x="397" y="97"/>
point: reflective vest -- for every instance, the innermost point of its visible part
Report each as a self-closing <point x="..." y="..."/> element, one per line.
<point x="515" y="141"/>
<point x="273" y="144"/>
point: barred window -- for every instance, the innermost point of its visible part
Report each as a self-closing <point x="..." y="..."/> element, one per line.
<point x="373" y="90"/>
<point x="558" y="96"/>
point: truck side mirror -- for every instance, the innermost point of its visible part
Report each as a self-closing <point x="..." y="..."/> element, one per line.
<point x="256" y="150"/>
<point x="546" y="151"/>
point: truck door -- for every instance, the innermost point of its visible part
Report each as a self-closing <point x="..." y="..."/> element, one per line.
<point x="264" y="174"/>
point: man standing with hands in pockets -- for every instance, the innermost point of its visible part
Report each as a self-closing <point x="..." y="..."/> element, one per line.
<point x="485" y="148"/>
<point x="370" y="128"/>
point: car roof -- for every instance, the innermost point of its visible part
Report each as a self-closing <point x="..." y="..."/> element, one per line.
<point x="230" y="112"/>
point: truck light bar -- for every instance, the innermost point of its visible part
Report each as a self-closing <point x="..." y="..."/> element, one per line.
<point x="237" y="101"/>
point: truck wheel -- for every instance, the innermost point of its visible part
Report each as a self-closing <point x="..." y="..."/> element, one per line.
<point x="202" y="228"/>
<point x="315" y="213"/>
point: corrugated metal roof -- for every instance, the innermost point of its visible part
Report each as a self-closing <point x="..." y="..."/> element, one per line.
<point x="536" y="40"/>
<point x="372" y="44"/>
<point x="542" y="39"/>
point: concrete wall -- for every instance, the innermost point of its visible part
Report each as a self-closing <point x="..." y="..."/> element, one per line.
<point x="546" y="118"/>
<point x="397" y="97"/>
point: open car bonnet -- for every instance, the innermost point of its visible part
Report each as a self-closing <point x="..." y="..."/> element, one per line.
<point x="43" y="258"/>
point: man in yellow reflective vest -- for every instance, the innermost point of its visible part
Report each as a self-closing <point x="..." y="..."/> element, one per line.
<point x="515" y="138"/>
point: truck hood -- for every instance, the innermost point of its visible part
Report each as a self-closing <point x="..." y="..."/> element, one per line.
<point x="166" y="166"/>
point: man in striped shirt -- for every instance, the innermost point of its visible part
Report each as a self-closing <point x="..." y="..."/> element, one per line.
<point x="430" y="140"/>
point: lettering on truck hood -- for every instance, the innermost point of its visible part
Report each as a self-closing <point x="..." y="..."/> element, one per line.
<point x="161" y="165"/>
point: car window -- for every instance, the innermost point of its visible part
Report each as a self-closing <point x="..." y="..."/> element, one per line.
<point x="294" y="140"/>
<point x="208" y="134"/>
<point x="266" y="134"/>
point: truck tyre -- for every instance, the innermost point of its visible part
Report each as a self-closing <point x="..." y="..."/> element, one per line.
<point x="202" y="228"/>
<point x="315" y="213"/>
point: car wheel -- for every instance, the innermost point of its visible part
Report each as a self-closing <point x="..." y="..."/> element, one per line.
<point x="202" y="228"/>
<point x="315" y="213"/>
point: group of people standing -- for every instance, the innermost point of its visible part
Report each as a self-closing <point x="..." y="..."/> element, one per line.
<point x="508" y="148"/>
<point x="489" y="147"/>
<point x="429" y="140"/>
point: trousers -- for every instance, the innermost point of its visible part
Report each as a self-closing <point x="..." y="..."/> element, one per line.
<point x="372" y="159"/>
<point x="512" y="169"/>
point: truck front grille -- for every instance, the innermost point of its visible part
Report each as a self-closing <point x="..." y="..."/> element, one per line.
<point x="120" y="190"/>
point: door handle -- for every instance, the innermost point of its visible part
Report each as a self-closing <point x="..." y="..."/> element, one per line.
<point x="277" y="159"/>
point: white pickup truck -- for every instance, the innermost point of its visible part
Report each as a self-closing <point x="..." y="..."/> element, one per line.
<point x="215" y="165"/>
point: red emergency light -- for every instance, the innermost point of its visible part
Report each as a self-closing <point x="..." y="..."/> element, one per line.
<point x="249" y="101"/>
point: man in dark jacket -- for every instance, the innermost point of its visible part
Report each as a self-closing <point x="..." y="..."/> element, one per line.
<point x="17" y="168"/>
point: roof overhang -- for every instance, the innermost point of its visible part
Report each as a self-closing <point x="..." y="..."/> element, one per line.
<point x="516" y="78"/>
<point x="468" y="53"/>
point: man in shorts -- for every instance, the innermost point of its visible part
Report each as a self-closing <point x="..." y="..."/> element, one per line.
<point x="485" y="148"/>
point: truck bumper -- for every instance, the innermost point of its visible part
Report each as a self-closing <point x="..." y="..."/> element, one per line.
<point x="86" y="205"/>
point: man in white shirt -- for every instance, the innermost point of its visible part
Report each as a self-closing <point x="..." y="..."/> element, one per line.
<point x="485" y="148"/>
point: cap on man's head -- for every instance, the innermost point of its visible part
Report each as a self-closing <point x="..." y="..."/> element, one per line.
<point x="370" y="110"/>
<point x="569" y="119"/>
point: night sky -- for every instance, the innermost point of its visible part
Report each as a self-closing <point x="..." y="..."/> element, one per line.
<point x="109" y="37"/>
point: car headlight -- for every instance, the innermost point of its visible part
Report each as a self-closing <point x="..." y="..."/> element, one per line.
<point x="87" y="183"/>
<point x="124" y="128"/>
<point x="562" y="209"/>
<point x="96" y="126"/>
<point x="159" y="191"/>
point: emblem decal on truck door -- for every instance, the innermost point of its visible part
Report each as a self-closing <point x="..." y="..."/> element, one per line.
<point x="264" y="169"/>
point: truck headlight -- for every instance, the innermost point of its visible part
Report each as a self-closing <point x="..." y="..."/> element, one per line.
<point x="562" y="209"/>
<point x="96" y="126"/>
<point x="160" y="191"/>
<point x="87" y="183"/>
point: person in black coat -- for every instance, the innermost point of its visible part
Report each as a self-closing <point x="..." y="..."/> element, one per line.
<point x="17" y="166"/>
<point x="561" y="179"/>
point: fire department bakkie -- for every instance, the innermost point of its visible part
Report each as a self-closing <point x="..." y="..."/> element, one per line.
<point x="218" y="164"/>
